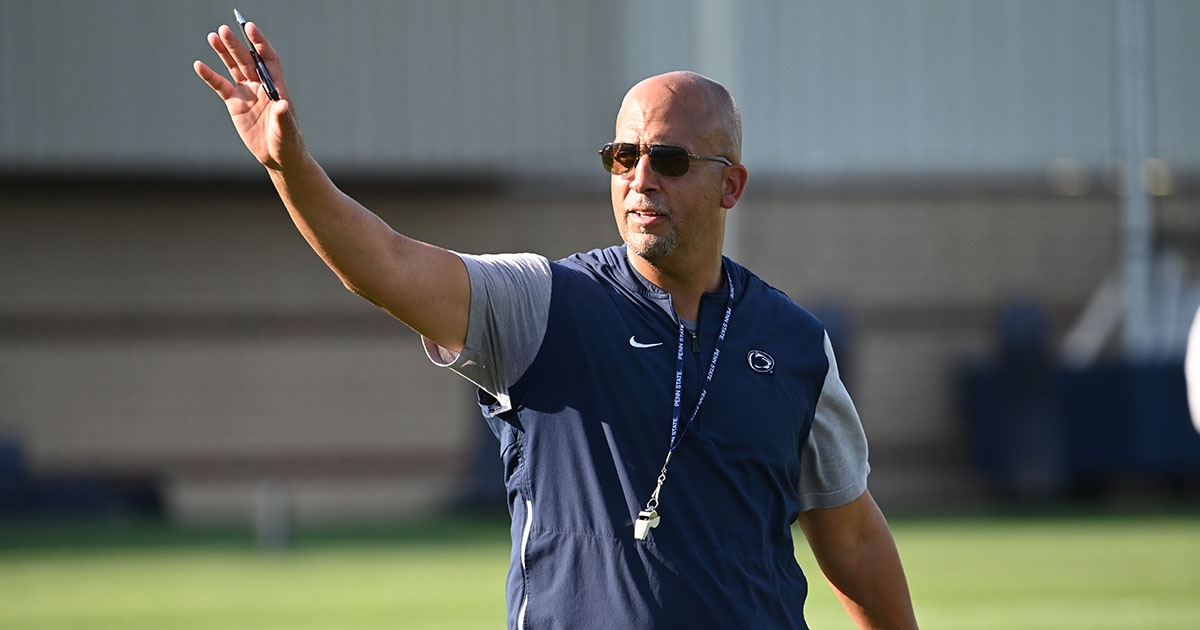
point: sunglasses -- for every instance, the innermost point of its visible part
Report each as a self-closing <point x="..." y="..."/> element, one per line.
<point x="666" y="159"/>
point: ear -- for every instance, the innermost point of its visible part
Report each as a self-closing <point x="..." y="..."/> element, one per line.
<point x="734" y="185"/>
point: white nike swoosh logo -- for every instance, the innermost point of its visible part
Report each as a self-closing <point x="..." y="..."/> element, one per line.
<point x="634" y="342"/>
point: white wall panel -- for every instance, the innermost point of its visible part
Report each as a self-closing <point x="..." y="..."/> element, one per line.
<point x="1176" y="102"/>
<point x="427" y="86"/>
<point x="531" y="86"/>
<point x="934" y="85"/>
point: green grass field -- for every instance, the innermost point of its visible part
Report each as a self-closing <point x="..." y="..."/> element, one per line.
<point x="969" y="573"/>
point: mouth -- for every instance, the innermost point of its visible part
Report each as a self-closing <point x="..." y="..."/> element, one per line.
<point x="643" y="219"/>
<point x="648" y="212"/>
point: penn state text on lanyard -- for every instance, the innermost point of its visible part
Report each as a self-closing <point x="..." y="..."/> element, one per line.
<point x="649" y="517"/>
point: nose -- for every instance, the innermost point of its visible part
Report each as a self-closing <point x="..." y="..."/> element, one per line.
<point x="644" y="179"/>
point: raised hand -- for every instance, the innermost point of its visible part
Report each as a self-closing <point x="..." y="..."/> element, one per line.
<point x="267" y="127"/>
<point x="424" y="286"/>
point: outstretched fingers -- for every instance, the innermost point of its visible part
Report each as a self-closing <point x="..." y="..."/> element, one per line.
<point x="264" y="47"/>
<point x="218" y="45"/>
<point x="269" y="56"/>
<point x="218" y="83"/>
<point x="236" y="57"/>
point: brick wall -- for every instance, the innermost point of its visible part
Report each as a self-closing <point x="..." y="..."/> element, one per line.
<point x="187" y="332"/>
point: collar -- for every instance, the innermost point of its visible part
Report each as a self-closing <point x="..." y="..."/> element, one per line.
<point x="612" y="264"/>
<point x="653" y="292"/>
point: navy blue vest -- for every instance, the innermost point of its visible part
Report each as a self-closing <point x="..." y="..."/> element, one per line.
<point x="587" y="434"/>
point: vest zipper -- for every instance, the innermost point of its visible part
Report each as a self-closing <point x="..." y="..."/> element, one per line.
<point x="524" y="544"/>
<point x="695" y="343"/>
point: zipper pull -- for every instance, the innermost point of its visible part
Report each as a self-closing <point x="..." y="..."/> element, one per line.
<point x="695" y="343"/>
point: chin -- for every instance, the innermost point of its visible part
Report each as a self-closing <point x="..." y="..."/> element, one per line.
<point x="650" y="247"/>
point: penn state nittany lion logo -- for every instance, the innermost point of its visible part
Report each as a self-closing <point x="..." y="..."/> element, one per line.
<point x="760" y="361"/>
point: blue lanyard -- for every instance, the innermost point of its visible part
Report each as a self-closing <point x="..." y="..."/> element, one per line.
<point x="649" y="518"/>
<point x="676" y="435"/>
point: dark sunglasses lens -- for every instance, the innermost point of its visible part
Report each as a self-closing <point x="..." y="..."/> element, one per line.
<point x="606" y="156"/>
<point x="668" y="160"/>
<point x="619" y="157"/>
<point x="625" y="156"/>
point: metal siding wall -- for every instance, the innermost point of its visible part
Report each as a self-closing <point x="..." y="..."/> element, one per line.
<point x="469" y="85"/>
<point x="102" y="85"/>
<point x="1176" y="50"/>
<point x="930" y="86"/>
<point x="421" y="85"/>
<point x="531" y="86"/>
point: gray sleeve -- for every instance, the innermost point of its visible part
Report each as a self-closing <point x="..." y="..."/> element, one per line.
<point x="833" y="462"/>
<point x="510" y="307"/>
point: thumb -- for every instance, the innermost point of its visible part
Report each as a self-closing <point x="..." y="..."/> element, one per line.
<point x="286" y="142"/>
<point x="283" y="116"/>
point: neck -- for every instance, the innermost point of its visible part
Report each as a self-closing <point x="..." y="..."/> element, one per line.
<point x="686" y="282"/>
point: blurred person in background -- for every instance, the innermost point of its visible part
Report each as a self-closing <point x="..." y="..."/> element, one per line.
<point x="650" y="484"/>
<point x="1191" y="370"/>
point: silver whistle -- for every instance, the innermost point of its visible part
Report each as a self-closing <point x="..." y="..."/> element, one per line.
<point x="641" y="527"/>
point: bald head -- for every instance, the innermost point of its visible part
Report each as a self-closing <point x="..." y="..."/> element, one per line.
<point x="691" y="101"/>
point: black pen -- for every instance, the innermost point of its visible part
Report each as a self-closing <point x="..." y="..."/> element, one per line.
<point x="264" y="77"/>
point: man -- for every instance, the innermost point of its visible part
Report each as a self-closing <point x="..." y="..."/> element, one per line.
<point x="664" y="415"/>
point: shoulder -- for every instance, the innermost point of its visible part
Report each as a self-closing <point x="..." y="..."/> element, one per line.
<point x="602" y="261"/>
<point x="601" y="271"/>
<point x="507" y="265"/>
<point x="769" y="321"/>
<point x="763" y="302"/>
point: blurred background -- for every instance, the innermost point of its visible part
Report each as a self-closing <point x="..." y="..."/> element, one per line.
<point x="993" y="205"/>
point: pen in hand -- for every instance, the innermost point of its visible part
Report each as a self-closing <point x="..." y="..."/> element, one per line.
<point x="264" y="77"/>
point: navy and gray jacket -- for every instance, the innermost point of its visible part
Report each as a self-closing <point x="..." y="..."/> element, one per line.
<point x="575" y="361"/>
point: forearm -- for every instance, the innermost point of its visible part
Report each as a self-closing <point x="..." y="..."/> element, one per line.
<point x="424" y="286"/>
<point x="347" y="236"/>
<point x="855" y="549"/>
<point x="869" y="580"/>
